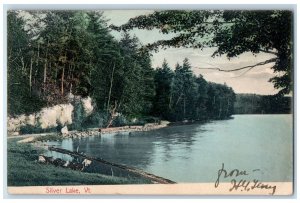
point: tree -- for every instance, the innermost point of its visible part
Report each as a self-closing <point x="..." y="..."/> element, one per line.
<point x="74" y="52"/>
<point x="262" y="104"/>
<point x="184" y="91"/>
<point x="163" y="97"/>
<point x="232" y="32"/>
<point x="137" y="82"/>
<point x="180" y="95"/>
<point x="61" y="50"/>
<point x="201" y="108"/>
<point x="148" y="86"/>
<point x="19" y="68"/>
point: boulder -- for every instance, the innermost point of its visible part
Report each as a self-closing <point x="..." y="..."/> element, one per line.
<point x="64" y="130"/>
<point x="66" y="164"/>
<point x="86" y="162"/>
<point x="42" y="159"/>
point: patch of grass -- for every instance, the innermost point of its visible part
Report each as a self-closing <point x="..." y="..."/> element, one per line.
<point x="50" y="137"/>
<point x="24" y="170"/>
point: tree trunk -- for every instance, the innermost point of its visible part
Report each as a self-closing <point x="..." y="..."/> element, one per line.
<point x="220" y="109"/>
<point x="170" y="102"/>
<point x="45" y="71"/>
<point x="179" y="98"/>
<point x="55" y="66"/>
<point x="152" y="177"/>
<point x="112" y="115"/>
<point x="30" y="76"/>
<point x="183" y="106"/>
<point x="227" y="110"/>
<point x="111" y="84"/>
<point x="46" y="64"/>
<point x="62" y="80"/>
<point x="38" y="55"/>
<point x="23" y="65"/>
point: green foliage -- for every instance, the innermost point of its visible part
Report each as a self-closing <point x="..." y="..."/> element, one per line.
<point x="98" y="119"/>
<point x="28" y="129"/>
<point x="220" y="101"/>
<point x="163" y="82"/>
<point x="262" y="104"/>
<point x="180" y="95"/>
<point x="183" y="92"/>
<point x="232" y="32"/>
<point x="49" y="137"/>
<point x="20" y="99"/>
<point x="120" y="121"/>
<point x="74" y="52"/>
<point x="78" y="116"/>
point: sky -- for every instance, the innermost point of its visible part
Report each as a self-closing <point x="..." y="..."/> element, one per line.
<point x="253" y="81"/>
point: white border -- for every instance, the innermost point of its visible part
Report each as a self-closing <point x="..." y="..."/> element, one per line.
<point x="141" y="4"/>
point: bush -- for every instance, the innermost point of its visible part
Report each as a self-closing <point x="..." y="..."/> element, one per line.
<point x="95" y="120"/>
<point x="29" y="129"/>
<point x="120" y="121"/>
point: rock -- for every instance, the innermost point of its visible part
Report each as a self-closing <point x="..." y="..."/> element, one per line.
<point x="163" y="122"/>
<point x="70" y="97"/>
<point x="185" y="121"/>
<point x="87" y="106"/>
<point x="26" y="140"/>
<point x="64" y="130"/>
<point x="15" y="133"/>
<point x="66" y="164"/>
<point x="41" y="159"/>
<point x="86" y="162"/>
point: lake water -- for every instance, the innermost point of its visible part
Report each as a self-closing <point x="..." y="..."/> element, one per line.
<point x="195" y="153"/>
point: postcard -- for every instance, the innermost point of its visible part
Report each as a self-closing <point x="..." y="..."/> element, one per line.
<point x="159" y="102"/>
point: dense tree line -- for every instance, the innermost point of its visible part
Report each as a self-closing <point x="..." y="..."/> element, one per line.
<point x="262" y="104"/>
<point x="73" y="52"/>
<point x="55" y="53"/>
<point x="180" y="95"/>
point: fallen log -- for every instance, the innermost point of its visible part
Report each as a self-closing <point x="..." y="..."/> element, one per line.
<point x="152" y="177"/>
<point x="59" y="162"/>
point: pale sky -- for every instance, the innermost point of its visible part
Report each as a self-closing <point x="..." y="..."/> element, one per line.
<point x="253" y="81"/>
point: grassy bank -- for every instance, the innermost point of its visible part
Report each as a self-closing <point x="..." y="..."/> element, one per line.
<point x="24" y="170"/>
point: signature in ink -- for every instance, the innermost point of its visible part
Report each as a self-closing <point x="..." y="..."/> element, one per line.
<point x="239" y="180"/>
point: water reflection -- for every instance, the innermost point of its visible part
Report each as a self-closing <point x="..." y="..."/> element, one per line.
<point x="136" y="148"/>
<point x="194" y="153"/>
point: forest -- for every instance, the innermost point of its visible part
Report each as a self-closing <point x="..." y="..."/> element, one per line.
<point x="71" y="81"/>
<point x="54" y="54"/>
<point x="262" y="104"/>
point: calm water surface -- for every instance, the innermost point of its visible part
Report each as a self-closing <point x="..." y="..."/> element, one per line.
<point x="194" y="153"/>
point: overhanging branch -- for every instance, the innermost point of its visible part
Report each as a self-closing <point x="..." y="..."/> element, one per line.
<point x="245" y="67"/>
<point x="269" y="52"/>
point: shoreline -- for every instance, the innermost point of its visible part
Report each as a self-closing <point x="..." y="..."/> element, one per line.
<point x="23" y="162"/>
<point x="90" y="132"/>
<point x="103" y="131"/>
<point x="144" y="177"/>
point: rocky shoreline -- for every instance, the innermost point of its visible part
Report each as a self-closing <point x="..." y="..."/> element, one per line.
<point x="113" y="130"/>
<point x="93" y="132"/>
